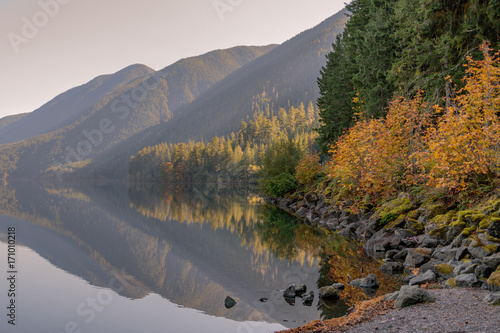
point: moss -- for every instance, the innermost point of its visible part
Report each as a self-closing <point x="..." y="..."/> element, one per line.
<point x="444" y="219"/>
<point x="491" y="248"/>
<point x="436" y="210"/>
<point x="468" y="231"/>
<point x="477" y="218"/>
<point x="494" y="278"/>
<point x="444" y="269"/>
<point x="451" y="282"/>
<point x="398" y="222"/>
<point x="414" y="214"/>
<point x="439" y="233"/>
<point x="395" y="207"/>
<point x="485" y="223"/>
<point x="492" y="206"/>
<point x="464" y="215"/>
<point x="415" y="226"/>
<point x="493" y="239"/>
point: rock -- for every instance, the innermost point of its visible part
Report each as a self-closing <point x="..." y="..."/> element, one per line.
<point x="479" y="252"/>
<point x="410" y="295"/>
<point x="338" y="286"/>
<point x="347" y="233"/>
<point x="302" y="212"/>
<point x="308" y="298"/>
<point x="391" y="297"/>
<point x="229" y="302"/>
<point x="328" y="292"/>
<point x="443" y="270"/>
<point x="392" y="267"/>
<point x="407" y="279"/>
<point x="494" y="279"/>
<point x="493" y="299"/>
<point x="300" y="289"/>
<point x="494" y="229"/>
<point x="264" y="300"/>
<point x="368" y="282"/>
<point x="415" y="259"/>
<point x="467" y="281"/>
<point x="465" y="268"/>
<point x="445" y="254"/>
<point x="332" y="223"/>
<point x="451" y="283"/>
<point x="461" y="253"/>
<point x="483" y="271"/>
<point x="428" y="242"/>
<point x="428" y="276"/>
<point x="391" y="253"/>
<point x="289" y="292"/>
<point x="379" y="248"/>
<point x="492" y="261"/>
<point x="401" y="255"/>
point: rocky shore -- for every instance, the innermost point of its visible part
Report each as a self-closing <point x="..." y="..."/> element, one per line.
<point x="424" y="244"/>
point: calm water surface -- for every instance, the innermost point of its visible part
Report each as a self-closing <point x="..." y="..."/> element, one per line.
<point x="113" y="258"/>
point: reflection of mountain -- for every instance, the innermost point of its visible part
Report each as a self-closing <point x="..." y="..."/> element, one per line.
<point x="193" y="265"/>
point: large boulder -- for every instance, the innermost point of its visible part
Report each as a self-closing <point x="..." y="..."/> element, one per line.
<point x="410" y="295"/>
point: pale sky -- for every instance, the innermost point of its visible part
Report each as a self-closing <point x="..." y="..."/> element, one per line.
<point x="50" y="46"/>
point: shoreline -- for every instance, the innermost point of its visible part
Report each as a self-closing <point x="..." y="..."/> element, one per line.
<point x="456" y="251"/>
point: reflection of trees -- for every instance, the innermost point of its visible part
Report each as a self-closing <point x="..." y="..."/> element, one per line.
<point x="269" y="232"/>
<point x="342" y="259"/>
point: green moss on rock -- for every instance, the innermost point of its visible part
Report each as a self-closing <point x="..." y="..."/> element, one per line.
<point x="444" y="269"/>
<point x="451" y="283"/>
<point x="436" y="210"/>
<point x="494" y="278"/>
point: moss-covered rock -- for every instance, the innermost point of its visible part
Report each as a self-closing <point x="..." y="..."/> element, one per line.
<point x="436" y="210"/>
<point x="494" y="278"/>
<point x="444" y="269"/>
<point x="414" y="226"/>
<point x="451" y="283"/>
<point x="444" y="219"/>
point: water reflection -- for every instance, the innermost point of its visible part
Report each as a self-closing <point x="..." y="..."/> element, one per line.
<point x="192" y="246"/>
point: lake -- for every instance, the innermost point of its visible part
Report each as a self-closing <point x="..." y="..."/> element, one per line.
<point x="118" y="258"/>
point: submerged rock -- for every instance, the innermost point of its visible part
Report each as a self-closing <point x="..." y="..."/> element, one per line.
<point x="229" y="302"/>
<point x="289" y="292"/>
<point x="308" y="298"/>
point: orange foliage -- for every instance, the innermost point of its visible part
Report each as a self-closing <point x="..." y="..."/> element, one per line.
<point x="465" y="142"/>
<point x="379" y="157"/>
<point x="374" y="157"/>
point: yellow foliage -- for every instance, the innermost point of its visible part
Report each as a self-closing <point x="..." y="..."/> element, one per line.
<point x="465" y="142"/>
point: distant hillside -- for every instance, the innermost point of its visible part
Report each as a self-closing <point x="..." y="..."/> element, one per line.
<point x="67" y="107"/>
<point x="6" y="121"/>
<point x="285" y="76"/>
<point x="126" y="109"/>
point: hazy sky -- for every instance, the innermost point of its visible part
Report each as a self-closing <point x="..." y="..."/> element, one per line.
<point x="49" y="46"/>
